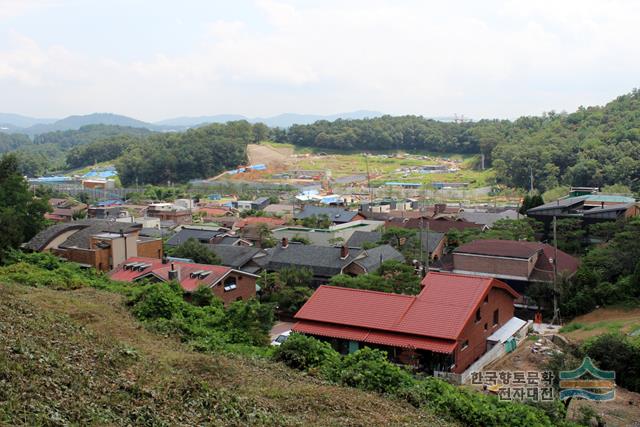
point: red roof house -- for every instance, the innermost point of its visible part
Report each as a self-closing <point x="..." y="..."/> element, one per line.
<point x="445" y="327"/>
<point x="226" y="283"/>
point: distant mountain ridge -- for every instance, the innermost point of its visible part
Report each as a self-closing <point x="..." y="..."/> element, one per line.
<point x="15" y="123"/>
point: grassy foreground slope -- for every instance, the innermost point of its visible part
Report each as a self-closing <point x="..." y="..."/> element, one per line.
<point x="79" y="358"/>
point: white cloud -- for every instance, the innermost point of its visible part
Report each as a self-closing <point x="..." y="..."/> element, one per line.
<point x="435" y="58"/>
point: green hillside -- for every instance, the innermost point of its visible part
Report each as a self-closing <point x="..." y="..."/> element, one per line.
<point x="79" y="358"/>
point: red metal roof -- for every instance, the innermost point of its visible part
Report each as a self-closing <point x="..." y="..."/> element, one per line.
<point x="161" y="271"/>
<point x="440" y="311"/>
<point x="374" y="337"/>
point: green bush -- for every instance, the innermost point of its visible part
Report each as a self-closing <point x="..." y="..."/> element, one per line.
<point x="305" y="353"/>
<point x="473" y="408"/>
<point x="158" y="301"/>
<point x="615" y="352"/>
<point x="369" y="369"/>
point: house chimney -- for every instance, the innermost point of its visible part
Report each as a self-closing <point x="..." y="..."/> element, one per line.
<point x="602" y="205"/>
<point x="174" y="274"/>
<point x="285" y="243"/>
<point x="344" y="252"/>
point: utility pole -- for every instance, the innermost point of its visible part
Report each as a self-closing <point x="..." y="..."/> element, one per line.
<point x="366" y="161"/>
<point x="556" y="311"/>
<point x="531" y="178"/>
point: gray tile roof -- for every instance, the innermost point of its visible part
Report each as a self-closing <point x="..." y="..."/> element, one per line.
<point x="324" y="261"/>
<point x="234" y="256"/>
<point x="376" y="256"/>
<point x="358" y="238"/>
<point x="81" y="238"/>
<point x="337" y="215"/>
<point x="431" y="240"/>
<point x="203" y="236"/>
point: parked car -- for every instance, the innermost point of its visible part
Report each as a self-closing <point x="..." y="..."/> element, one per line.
<point x="281" y="338"/>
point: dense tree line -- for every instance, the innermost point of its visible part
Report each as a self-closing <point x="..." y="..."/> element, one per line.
<point x="594" y="146"/>
<point x="70" y="138"/>
<point x="387" y="132"/>
<point x="13" y="141"/>
<point x="101" y="150"/>
<point x="180" y="157"/>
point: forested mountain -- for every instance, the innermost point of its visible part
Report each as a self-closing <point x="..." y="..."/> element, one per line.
<point x="76" y="122"/>
<point x="594" y="146"/>
<point x="179" y="157"/>
<point x="13" y="141"/>
<point x="19" y="121"/>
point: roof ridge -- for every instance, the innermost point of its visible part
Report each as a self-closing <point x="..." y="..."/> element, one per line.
<point x="369" y="291"/>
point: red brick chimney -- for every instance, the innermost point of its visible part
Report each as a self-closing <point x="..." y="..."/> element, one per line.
<point x="285" y="243"/>
<point x="344" y="252"/>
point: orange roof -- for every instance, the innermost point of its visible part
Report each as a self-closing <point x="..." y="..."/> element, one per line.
<point x="445" y="304"/>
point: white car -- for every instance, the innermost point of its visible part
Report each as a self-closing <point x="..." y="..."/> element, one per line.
<point x="281" y="338"/>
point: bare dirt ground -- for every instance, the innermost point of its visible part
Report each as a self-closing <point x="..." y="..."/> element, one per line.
<point x="623" y="411"/>
<point x="270" y="156"/>
<point x="604" y="320"/>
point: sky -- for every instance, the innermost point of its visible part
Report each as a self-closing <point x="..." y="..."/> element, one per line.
<point x="157" y="59"/>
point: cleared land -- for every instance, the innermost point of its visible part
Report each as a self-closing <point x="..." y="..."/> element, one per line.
<point x="79" y="358"/>
<point x="625" y="409"/>
<point x="302" y="164"/>
<point x="602" y="321"/>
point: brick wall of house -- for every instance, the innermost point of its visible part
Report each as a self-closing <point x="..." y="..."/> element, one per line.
<point x="491" y="265"/>
<point x="97" y="258"/>
<point x="475" y="332"/>
<point x="150" y="248"/>
<point x="245" y="288"/>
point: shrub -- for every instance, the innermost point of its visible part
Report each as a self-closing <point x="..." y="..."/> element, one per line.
<point x="304" y="353"/>
<point x="369" y="369"/>
<point x="615" y="352"/>
<point x="202" y="296"/>
<point x="158" y="301"/>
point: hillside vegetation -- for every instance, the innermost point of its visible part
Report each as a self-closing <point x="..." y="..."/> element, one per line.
<point x="78" y="357"/>
<point x="593" y="146"/>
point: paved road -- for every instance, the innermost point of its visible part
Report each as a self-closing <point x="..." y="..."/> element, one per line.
<point x="279" y="328"/>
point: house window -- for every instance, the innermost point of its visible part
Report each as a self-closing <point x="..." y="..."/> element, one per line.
<point x="464" y="345"/>
<point x="486" y="299"/>
<point x="478" y="316"/>
<point x="496" y="317"/>
<point x="230" y="284"/>
<point x="486" y="326"/>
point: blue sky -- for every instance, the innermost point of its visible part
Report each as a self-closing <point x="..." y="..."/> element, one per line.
<point x="159" y="59"/>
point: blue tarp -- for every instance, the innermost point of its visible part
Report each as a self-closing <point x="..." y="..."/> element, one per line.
<point x="53" y="179"/>
<point x="110" y="173"/>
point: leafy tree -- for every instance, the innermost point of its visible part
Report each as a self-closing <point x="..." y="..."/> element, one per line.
<point x="304" y="353"/>
<point x="391" y="276"/>
<point x="530" y="201"/>
<point x="202" y="296"/>
<point x="21" y="215"/>
<point x="193" y="249"/>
